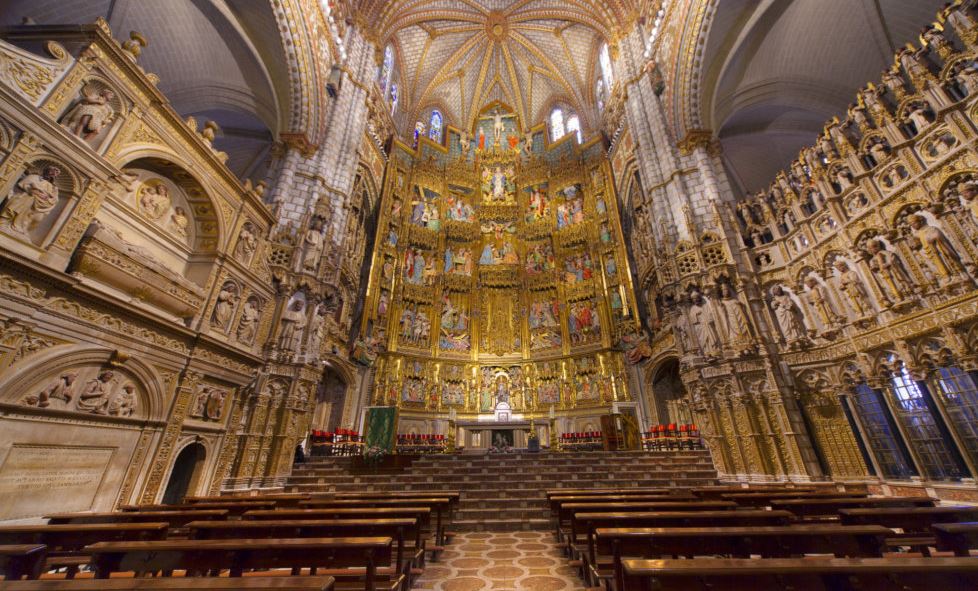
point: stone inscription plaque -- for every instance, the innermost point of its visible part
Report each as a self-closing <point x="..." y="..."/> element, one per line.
<point x="39" y="479"/>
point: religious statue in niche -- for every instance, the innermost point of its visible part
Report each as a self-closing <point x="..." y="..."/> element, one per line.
<point x="454" y="333"/>
<point x="317" y="326"/>
<point x="458" y="261"/>
<point x="604" y="233"/>
<point x="34" y="197"/>
<point x="600" y="206"/>
<point x="91" y="113"/>
<point x="938" y="252"/>
<point x="311" y="248"/>
<point x="424" y="210"/>
<point x="458" y="210"/>
<point x="292" y="325"/>
<point x="538" y="206"/>
<point x="617" y="303"/>
<point x="419" y="269"/>
<point x="578" y="268"/>
<point x="498" y="248"/>
<point x="890" y="272"/>
<point x="227" y="298"/>
<point x="571" y="211"/>
<point x="94" y="397"/>
<point x="497" y="184"/>
<point x="737" y="327"/>
<point x="703" y="321"/>
<point x="583" y="322"/>
<point x="610" y="265"/>
<point x="788" y="315"/>
<point x="61" y="389"/>
<point x="248" y="323"/>
<point x="383" y="303"/>
<point x="154" y="199"/>
<point x="247" y="243"/>
<point x="821" y="303"/>
<point x="544" y="325"/>
<point x="540" y="259"/>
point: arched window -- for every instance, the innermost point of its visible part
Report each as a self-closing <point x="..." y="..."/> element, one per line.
<point x="386" y="69"/>
<point x="434" y="127"/>
<point x="574" y="126"/>
<point x="599" y="94"/>
<point x="556" y="124"/>
<point x="604" y="60"/>
<point x="957" y="390"/>
<point x="881" y="435"/>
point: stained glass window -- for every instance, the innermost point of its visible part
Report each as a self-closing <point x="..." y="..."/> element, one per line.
<point x="434" y="128"/>
<point x="599" y="94"/>
<point x="882" y="437"/>
<point x="556" y="124"/>
<point x="604" y="59"/>
<point x="960" y="396"/>
<point x="574" y="125"/>
<point x="393" y="97"/>
<point x="387" y="68"/>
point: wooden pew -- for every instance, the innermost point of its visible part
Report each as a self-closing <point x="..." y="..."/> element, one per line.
<point x="802" y="574"/>
<point x="915" y="522"/>
<point x="717" y="492"/>
<point x="280" y="499"/>
<point x="589" y="522"/>
<point x="66" y="543"/>
<point x="454" y="497"/>
<point x="309" y="583"/>
<point x="234" y="508"/>
<point x="566" y="511"/>
<point x="336" y="555"/>
<point x="22" y="560"/>
<point x="582" y="492"/>
<point x="401" y="530"/>
<point x="740" y="542"/>
<point x="440" y="505"/>
<point x="827" y="509"/>
<point x="759" y="500"/>
<point x="556" y="500"/>
<point x="175" y="519"/>
<point x="959" y="538"/>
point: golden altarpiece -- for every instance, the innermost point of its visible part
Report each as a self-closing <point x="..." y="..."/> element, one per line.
<point x="499" y="277"/>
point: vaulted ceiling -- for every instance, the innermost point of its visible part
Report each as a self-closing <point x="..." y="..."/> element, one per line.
<point x="459" y="55"/>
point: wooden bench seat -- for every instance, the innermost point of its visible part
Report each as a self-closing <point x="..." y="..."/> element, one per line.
<point x="22" y="560"/>
<point x="758" y="500"/>
<point x="959" y="538"/>
<point x="805" y="574"/>
<point x="409" y="545"/>
<point x="66" y="543"/>
<point x="440" y="506"/>
<point x="347" y="559"/>
<point x="174" y="519"/>
<point x="280" y="499"/>
<point x="234" y="508"/>
<point x="566" y="511"/>
<point x="615" y="544"/>
<point x="915" y="523"/>
<point x="309" y="583"/>
<point x="828" y="509"/>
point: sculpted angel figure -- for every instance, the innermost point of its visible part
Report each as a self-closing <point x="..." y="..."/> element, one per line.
<point x="34" y="197"/>
<point x="91" y="113"/>
<point x="179" y="222"/>
<point x="124" y="403"/>
<point x="61" y="389"/>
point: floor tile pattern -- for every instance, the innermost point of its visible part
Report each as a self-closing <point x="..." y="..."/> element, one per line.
<point x="509" y="561"/>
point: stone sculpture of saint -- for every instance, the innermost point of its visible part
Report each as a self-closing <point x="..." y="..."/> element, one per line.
<point x="788" y="315"/>
<point x="224" y="308"/>
<point x="34" y="198"/>
<point x="704" y="326"/>
<point x="818" y="298"/>
<point x="738" y="327"/>
<point x="247" y="244"/>
<point x="312" y="247"/>
<point x="61" y="389"/>
<point x="92" y="112"/>
<point x="124" y="403"/>
<point x="890" y="272"/>
<point x="497" y="129"/>
<point x="852" y="286"/>
<point x="293" y="322"/>
<point x="938" y="252"/>
<point x="248" y="323"/>
<point x="94" y="398"/>
<point x="154" y="201"/>
<point x="179" y="222"/>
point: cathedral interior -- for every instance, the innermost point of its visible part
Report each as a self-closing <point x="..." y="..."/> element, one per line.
<point x="237" y="233"/>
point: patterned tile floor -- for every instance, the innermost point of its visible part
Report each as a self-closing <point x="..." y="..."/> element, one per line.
<point x="513" y="561"/>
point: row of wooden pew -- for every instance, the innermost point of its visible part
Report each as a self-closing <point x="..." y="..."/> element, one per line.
<point x="370" y="540"/>
<point x="763" y="538"/>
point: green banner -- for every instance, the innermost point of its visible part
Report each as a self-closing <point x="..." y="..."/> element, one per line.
<point x="380" y="428"/>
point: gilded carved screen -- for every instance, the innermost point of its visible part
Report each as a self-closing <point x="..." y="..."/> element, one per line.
<point x="499" y="276"/>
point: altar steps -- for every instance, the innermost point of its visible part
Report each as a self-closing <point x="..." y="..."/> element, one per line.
<point x="507" y="492"/>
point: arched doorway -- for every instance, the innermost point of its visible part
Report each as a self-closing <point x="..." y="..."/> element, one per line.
<point x="330" y="396"/>
<point x="668" y="392"/>
<point x="185" y="473"/>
